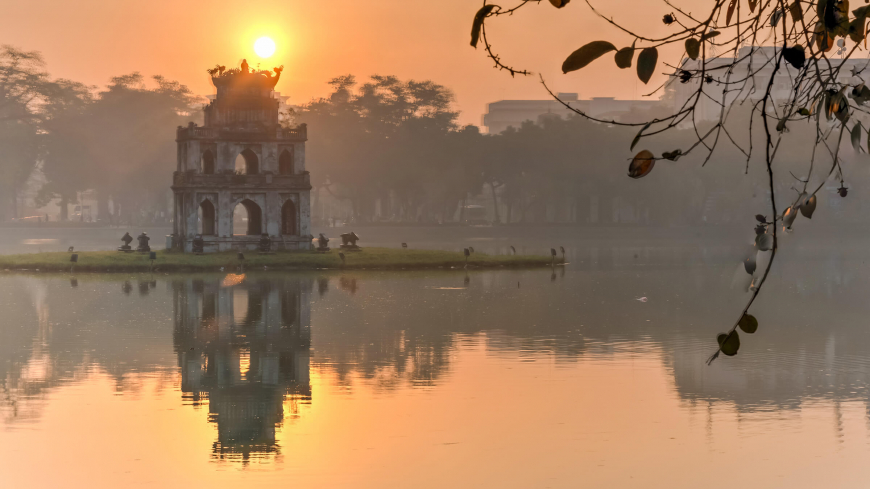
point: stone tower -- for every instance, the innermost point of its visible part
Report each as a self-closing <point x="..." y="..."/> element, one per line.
<point x="241" y="156"/>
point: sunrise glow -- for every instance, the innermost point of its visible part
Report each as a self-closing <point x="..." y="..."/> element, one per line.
<point x="264" y="47"/>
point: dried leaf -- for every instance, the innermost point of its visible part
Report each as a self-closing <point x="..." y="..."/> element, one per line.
<point x="748" y="323"/>
<point x="760" y="218"/>
<point x="559" y="3"/>
<point x="856" y="136"/>
<point x="752" y="4"/>
<point x="639" y="135"/>
<point x="795" y="56"/>
<point x="646" y="63"/>
<point x="788" y="217"/>
<point x="796" y="11"/>
<point x="709" y="35"/>
<point x="808" y="207"/>
<point x="641" y="164"/>
<point x="672" y="155"/>
<point x="586" y="54"/>
<point x="730" y="13"/>
<point x="478" y="23"/>
<point x="774" y="18"/>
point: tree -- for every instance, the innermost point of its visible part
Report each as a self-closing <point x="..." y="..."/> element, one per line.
<point x="800" y="34"/>
<point x="119" y="143"/>
<point x="24" y="88"/>
<point x="368" y="142"/>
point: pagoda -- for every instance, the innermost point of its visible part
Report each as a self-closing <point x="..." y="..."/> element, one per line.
<point x="242" y="156"/>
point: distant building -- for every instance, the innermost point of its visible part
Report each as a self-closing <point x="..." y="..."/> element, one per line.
<point x="512" y="113"/>
<point x="759" y="61"/>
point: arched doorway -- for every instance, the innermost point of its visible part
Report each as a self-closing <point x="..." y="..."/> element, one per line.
<point x="247" y="216"/>
<point x="207" y="163"/>
<point x="288" y="219"/>
<point x="247" y="163"/>
<point x="206" y="219"/>
<point x="285" y="163"/>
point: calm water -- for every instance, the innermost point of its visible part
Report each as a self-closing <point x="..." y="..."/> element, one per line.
<point x="533" y="378"/>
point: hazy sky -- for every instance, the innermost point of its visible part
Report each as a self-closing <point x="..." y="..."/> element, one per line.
<point x="92" y="40"/>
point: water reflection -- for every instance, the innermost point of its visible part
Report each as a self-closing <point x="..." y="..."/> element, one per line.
<point x="441" y="357"/>
<point x="244" y="351"/>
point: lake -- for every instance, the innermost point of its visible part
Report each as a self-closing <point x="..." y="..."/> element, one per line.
<point x="588" y="375"/>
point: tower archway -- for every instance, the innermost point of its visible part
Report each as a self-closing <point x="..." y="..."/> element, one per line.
<point x="247" y="219"/>
<point x="207" y="163"/>
<point x="289" y="219"/>
<point x="206" y="222"/>
<point x="247" y="163"/>
<point x="285" y="163"/>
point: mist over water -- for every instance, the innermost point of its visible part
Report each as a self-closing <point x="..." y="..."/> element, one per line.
<point x="381" y="379"/>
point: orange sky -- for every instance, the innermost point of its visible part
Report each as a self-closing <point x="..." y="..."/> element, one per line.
<point x="92" y="40"/>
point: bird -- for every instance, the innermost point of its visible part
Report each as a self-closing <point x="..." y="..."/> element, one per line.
<point x="341" y="255"/>
<point x="471" y="249"/>
<point x="70" y="249"/>
<point x="513" y="250"/>
<point x="642" y="299"/>
<point x="222" y="269"/>
<point x="404" y="245"/>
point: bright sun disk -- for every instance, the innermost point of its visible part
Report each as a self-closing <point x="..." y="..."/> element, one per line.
<point x="264" y="47"/>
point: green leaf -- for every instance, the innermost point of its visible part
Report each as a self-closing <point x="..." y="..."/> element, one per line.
<point x="639" y="135"/>
<point x="478" y="23"/>
<point x="748" y="323"/>
<point x="586" y="54"/>
<point x="693" y="47"/>
<point x="646" y="63"/>
<point x="729" y="343"/>
<point x="808" y="206"/>
<point x="749" y="264"/>
<point x="803" y="111"/>
<point x="764" y="242"/>
<point x="709" y="35"/>
<point x="623" y="57"/>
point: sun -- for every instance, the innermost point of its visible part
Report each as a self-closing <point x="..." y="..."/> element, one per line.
<point x="264" y="47"/>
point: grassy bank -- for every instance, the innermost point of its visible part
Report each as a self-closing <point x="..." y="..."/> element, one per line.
<point x="368" y="258"/>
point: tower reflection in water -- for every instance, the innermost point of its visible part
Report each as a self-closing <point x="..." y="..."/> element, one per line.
<point x="243" y="347"/>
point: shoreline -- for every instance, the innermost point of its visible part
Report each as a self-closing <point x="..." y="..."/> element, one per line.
<point x="367" y="259"/>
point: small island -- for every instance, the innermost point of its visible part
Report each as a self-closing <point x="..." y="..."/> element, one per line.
<point x="174" y="261"/>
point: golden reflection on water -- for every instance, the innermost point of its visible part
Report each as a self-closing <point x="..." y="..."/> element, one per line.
<point x="599" y="422"/>
<point x="369" y="380"/>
